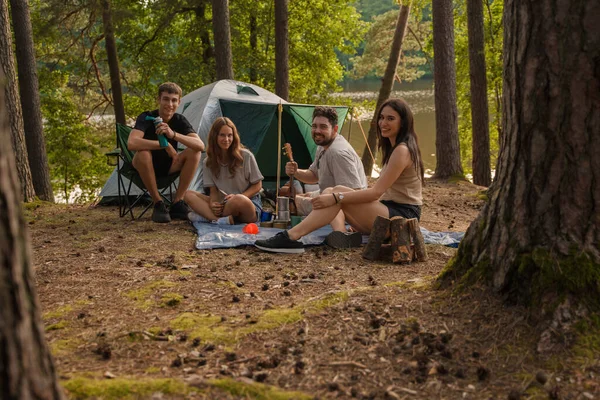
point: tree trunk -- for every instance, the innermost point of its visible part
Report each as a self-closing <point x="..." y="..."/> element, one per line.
<point x="223" y="58"/>
<point x="113" y="62"/>
<point x="15" y="116"/>
<point x="540" y="230"/>
<point x="26" y="366"/>
<point x="482" y="174"/>
<point x="253" y="46"/>
<point x="204" y="35"/>
<point x="30" y="100"/>
<point x="447" y="147"/>
<point x="282" y="72"/>
<point x="387" y="84"/>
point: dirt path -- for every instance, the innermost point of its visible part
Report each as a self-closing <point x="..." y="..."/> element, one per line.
<point x="131" y="308"/>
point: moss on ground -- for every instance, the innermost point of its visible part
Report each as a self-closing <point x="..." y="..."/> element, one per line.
<point x="63" y="346"/>
<point x="123" y="388"/>
<point x="57" y="326"/>
<point x="209" y="329"/>
<point x="155" y="330"/>
<point x="457" y="178"/>
<point x="482" y="195"/>
<point x="205" y="327"/>
<point x="87" y="387"/>
<point x="171" y="299"/>
<point x="587" y="344"/>
<point x="256" y="391"/>
<point x="58" y="313"/>
<point x="142" y="295"/>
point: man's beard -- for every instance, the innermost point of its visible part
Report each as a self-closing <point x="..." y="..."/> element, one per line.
<point x="324" y="142"/>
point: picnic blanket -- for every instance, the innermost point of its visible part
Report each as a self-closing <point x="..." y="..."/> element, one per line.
<point x="213" y="236"/>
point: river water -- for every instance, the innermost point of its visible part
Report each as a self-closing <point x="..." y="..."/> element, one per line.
<point x="418" y="94"/>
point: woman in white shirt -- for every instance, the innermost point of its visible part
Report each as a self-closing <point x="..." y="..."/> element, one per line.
<point x="232" y="174"/>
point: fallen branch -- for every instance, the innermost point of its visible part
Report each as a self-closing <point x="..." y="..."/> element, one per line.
<point x="147" y="334"/>
<point x="243" y="360"/>
<point x="346" y="364"/>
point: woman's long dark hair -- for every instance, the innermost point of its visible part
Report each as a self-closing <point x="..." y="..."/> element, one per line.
<point x="407" y="135"/>
<point x="234" y="152"/>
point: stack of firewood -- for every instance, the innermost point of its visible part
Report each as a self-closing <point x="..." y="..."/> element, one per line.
<point x="406" y="240"/>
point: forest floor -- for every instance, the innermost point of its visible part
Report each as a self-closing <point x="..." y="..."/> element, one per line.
<point x="132" y="310"/>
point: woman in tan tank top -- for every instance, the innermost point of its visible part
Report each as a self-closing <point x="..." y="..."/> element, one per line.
<point x="396" y="192"/>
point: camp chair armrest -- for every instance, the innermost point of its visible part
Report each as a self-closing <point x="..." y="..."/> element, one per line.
<point x="112" y="157"/>
<point x="114" y="152"/>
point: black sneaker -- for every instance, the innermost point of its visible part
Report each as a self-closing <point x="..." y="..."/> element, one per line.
<point x="280" y="243"/>
<point x="343" y="240"/>
<point x="160" y="213"/>
<point x="179" y="210"/>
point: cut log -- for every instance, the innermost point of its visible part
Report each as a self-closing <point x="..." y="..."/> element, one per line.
<point x="380" y="231"/>
<point x="401" y="251"/>
<point x="417" y="237"/>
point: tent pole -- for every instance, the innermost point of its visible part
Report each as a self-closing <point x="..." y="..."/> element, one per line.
<point x="279" y="112"/>
<point x="351" y="120"/>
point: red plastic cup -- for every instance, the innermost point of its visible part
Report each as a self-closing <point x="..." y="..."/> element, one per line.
<point x="250" y="228"/>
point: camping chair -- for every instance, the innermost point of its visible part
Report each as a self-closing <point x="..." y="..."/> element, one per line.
<point x="125" y="169"/>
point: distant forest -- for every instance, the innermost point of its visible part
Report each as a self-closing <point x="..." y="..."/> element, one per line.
<point x="370" y="8"/>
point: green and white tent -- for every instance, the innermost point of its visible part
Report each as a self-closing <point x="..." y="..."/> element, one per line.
<point x="254" y="111"/>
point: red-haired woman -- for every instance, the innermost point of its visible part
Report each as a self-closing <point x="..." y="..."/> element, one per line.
<point x="232" y="174"/>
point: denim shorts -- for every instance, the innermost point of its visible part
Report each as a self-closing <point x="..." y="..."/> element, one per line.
<point x="402" y="210"/>
<point x="257" y="205"/>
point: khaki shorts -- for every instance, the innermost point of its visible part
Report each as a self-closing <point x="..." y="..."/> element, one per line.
<point x="303" y="202"/>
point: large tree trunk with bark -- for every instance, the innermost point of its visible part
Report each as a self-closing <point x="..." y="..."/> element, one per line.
<point x="482" y="174"/>
<point x="26" y="367"/>
<point x="30" y="100"/>
<point x="447" y="147"/>
<point x="539" y="233"/>
<point x="13" y="103"/>
<point x="387" y="84"/>
<point x="223" y="57"/>
<point x="113" y="62"/>
<point x="282" y="72"/>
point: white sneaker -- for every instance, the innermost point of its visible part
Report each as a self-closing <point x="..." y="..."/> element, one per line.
<point x="194" y="217"/>
<point x="225" y="220"/>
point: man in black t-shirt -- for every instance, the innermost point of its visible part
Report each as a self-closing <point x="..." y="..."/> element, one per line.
<point x="151" y="160"/>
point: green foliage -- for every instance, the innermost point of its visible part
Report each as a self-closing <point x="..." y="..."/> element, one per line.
<point x="317" y="28"/>
<point x="167" y="41"/>
<point x="75" y="149"/>
<point x="372" y="8"/>
<point x="173" y="41"/>
<point x="319" y="31"/>
<point x="379" y="42"/>
<point x="493" y="30"/>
